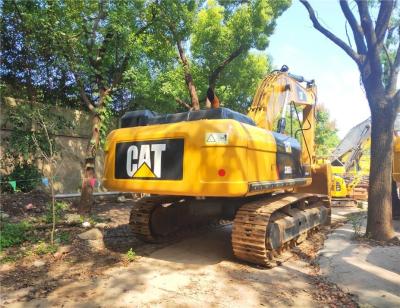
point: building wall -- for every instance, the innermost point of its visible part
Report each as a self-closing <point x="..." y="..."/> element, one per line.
<point x="73" y="143"/>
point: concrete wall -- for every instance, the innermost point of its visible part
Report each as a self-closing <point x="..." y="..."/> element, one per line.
<point x="73" y="143"/>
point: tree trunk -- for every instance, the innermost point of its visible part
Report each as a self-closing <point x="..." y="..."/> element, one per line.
<point x="89" y="174"/>
<point x="188" y="78"/>
<point x="379" y="225"/>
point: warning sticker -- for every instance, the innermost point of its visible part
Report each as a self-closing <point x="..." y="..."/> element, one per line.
<point x="216" y="138"/>
<point x="288" y="147"/>
<point x="288" y="170"/>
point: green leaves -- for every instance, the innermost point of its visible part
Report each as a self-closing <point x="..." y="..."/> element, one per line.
<point x="326" y="138"/>
<point x="12" y="234"/>
<point x="82" y="46"/>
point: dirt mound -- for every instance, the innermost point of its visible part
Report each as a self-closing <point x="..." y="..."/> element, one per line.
<point x="19" y="204"/>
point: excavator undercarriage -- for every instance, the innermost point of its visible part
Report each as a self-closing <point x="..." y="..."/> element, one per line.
<point x="263" y="227"/>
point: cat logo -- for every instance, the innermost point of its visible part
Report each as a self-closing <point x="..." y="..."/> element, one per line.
<point x="149" y="160"/>
<point x="139" y="162"/>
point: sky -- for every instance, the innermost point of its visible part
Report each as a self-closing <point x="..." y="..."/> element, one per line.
<point x="308" y="53"/>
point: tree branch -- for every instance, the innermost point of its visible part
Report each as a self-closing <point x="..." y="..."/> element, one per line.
<point x="355" y="27"/>
<point x="374" y="49"/>
<point x="183" y="103"/>
<point x="84" y="96"/>
<point x="356" y="57"/>
<point x="382" y="23"/>
<point x="367" y="24"/>
<point x="212" y="79"/>
<point x="120" y="70"/>
<point x="102" y="14"/>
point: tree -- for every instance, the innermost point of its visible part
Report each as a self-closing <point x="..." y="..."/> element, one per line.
<point x="34" y="138"/>
<point x="47" y="151"/>
<point x="373" y="48"/>
<point x="96" y="42"/>
<point x="226" y="31"/>
<point x="326" y="138"/>
<point x="174" y="28"/>
<point x="211" y="38"/>
<point x="29" y="68"/>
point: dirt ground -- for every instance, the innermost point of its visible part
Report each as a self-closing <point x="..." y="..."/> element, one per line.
<point x="199" y="269"/>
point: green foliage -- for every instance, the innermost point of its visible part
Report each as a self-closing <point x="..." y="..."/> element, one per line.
<point x="42" y="248"/>
<point x="12" y="234"/>
<point x="5" y="186"/>
<point x="59" y="208"/>
<point x="27" y="175"/>
<point x="85" y="45"/>
<point x="107" y="117"/>
<point x="63" y="238"/>
<point x="221" y="28"/>
<point x="130" y="255"/>
<point x="326" y="138"/>
<point x="33" y="126"/>
<point x="225" y="31"/>
<point x="356" y="222"/>
<point x="11" y="258"/>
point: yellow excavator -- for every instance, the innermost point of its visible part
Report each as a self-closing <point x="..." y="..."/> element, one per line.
<point x="206" y="165"/>
<point x="350" y="164"/>
<point x="396" y="170"/>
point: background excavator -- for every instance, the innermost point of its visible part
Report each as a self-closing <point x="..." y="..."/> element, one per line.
<point x="350" y="165"/>
<point x="396" y="169"/>
<point x="207" y="165"/>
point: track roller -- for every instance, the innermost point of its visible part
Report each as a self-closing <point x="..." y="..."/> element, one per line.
<point x="263" y="229"/>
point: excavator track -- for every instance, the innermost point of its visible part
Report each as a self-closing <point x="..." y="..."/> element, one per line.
<point x="141" y="214"/>
<point x="158" y="219"/>
<point x="255" y="235"/>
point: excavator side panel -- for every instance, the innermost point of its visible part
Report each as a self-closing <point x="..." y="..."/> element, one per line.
<point x="396" y="159"/>
<point x="207" y="158"/>
<point x="321" y="180"/>
<point x="339" y="187"/>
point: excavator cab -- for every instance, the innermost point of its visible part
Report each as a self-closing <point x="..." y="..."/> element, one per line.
<point x="286" y="103"/>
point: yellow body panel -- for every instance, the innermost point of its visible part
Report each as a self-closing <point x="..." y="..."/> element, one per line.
<point x="396" y="159"/>
<point x="338" y="170"/>
<point x="321" y="184"/>
<point x="339" y="187"/>
<point x="249" y="156"/>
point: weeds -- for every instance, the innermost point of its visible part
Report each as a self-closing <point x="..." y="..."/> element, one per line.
<point x="12" y="234"/>
<point x="63" y="238"/>
<point x="60" y="208"/>
<point x="356" y="222"/>
<point x="43" y="248"/>
<point x="131" y="255"/>
<point x="11" y="258"/>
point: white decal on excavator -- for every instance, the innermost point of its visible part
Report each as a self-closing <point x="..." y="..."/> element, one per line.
<point x="288" y="147"/>
<point x="216" y="138"/>
<point x="288" y="170"/>
<point x="139" y="162"/>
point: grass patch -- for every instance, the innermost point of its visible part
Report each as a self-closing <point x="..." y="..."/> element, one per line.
<point x="63" y="238"/>
<point x="13" y="234"/>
